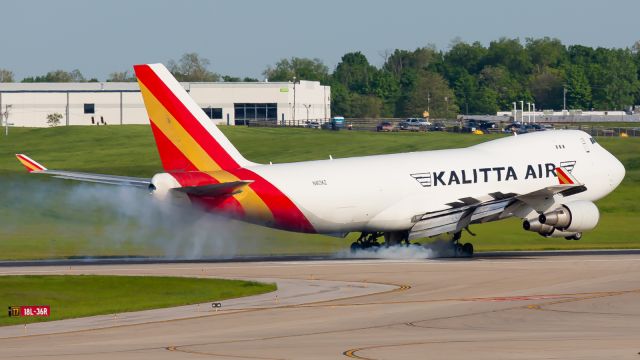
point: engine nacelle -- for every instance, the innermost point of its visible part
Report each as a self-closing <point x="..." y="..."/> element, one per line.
<point x="549" y="231"/>
<point x="573" y="217"/>
<point x="535" y="226"/>
<point x="161" y="185"/>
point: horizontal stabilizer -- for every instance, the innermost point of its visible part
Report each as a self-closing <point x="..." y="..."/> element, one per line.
<point x="36" y="168"/>
<point x="29" y="163"/>
<point x="215" y="190"/>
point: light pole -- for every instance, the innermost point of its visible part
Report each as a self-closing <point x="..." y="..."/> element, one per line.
<point x="307" y="107"/>
<point x="294" y="99"/>
<point x="6" y="119"/>
<point x="446" y="99"/>
<point x="534" y="112"/>
<point x="522" y="114"/>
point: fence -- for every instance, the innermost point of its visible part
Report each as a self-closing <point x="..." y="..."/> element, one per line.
<point x="456" y="126"/>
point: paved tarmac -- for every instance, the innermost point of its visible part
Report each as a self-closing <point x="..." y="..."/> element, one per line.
<point x="529" y="307"/>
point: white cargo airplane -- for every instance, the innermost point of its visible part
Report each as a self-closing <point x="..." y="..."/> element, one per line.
<point x="549" y="179"/>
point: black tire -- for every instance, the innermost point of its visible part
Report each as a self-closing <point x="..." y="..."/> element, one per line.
<point x="576" y="236"/>
<point x="355" y="247"/>
<point x="467" y="249"/>
<point x="459" y="250"/>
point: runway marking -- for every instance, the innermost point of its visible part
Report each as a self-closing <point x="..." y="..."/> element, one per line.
<point x="315" y="263"/>
<point x="352" y="353"/>
<point x="194" y="352"/>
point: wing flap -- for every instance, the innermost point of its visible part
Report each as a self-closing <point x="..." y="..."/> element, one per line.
<point x="215" y="190"/>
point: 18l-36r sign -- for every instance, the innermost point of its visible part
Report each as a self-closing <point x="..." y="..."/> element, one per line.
<point x="32" y="310"/>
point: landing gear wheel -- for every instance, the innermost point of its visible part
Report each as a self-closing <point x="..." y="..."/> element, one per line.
<point x="576" y="236"/>
<point x="459" y="250"/>
<point x="366" y="241"/>
<point x="467" y="249"/>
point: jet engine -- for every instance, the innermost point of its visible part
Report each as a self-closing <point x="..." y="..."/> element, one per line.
<point x="160" y="188"/>
<point x="568" y="221"/>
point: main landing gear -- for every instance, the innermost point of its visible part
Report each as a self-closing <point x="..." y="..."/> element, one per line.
<point x="459" y="249"/>
<point x="369" y="240"/>
<point x="451" y="247"/>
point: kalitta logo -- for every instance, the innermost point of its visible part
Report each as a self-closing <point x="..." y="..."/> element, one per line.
<point x="489" y="174"/>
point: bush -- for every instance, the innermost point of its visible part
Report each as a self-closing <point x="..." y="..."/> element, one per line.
<point x="54" y="119"/>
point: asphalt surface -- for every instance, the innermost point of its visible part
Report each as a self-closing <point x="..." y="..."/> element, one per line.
<point x="508" y="307"/>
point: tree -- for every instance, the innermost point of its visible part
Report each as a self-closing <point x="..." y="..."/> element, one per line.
<point x="301" y="68"/>
<point x="500" y="81"/>
<point x="613" y="76"/>
<point x="510" y="54"/>
<point x="355" y="73"/>
<point x="546" y="88"/>
<point x="192" y="67"/>
<point x="465" y="56"/>
<point x="57" y="76"/>
<point x="365" y="106"/>
<point x="578" y="88"/>
<point x="121" y="76"/>
<point x="431" y="93"/>
<point x="229" y="78"/>
<point x="545" y="53"/>
<point x="54" y="119"/>
<point x="6" y="76"/>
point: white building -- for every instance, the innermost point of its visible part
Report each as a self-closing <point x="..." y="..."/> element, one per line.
<point x="111" y="103"/>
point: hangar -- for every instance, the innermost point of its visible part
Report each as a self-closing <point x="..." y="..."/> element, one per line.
<point x="112" y="103"/>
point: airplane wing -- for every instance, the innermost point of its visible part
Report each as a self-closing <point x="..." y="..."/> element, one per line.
<point x="471" y="210"/>
<point x="36" y="168"/>
<point x="214" y="190"/>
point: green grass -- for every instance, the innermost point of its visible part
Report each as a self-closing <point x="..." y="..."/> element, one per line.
<point x="72" y="296"/>
<point x="30" y="231"/>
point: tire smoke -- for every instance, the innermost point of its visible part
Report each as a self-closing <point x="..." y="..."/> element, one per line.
<point x="108" y="217"/>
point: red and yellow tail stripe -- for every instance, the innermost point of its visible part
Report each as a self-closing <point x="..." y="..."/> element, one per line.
<point x="196" y="153"/>
<point x="29" y="163"/>
<point x="563" y="177"/>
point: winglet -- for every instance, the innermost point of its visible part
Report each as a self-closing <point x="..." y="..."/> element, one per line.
<point x="29" y="163"/>
<point x="565" y="177"/>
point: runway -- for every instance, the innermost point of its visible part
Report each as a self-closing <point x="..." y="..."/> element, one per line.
<point x="529" y="307"/>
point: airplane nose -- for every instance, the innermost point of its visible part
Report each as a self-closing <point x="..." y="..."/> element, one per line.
<point x="617" y="172"/>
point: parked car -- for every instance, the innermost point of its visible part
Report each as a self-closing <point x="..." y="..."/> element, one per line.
<point x="414" y="124"/>
<point x="437" y="126"/>
<point x="385" y="126"/>
<point x="312" y="124"/>
<point x="482" y="125"/>
<point x="525" y="128"/>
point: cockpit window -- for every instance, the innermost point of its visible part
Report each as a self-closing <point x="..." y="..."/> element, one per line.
<point x="593" y="141"/>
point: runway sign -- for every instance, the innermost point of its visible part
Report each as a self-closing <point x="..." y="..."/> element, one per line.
<point x="34" y="310"/>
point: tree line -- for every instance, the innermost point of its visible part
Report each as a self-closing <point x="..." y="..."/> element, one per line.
<point x="468" y="78"/>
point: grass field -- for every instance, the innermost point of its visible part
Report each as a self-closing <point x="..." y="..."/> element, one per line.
<point x="73" y="296"/>
<point x="44" y="218"/>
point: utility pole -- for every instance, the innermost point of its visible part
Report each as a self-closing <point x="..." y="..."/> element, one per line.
<point x="515" y="112"/>
<point x="522" y="114"/>
<point x="307" y="107"/>
<point x="429" y="102"/>
<point x="294" y="99"/>
<point x="564" y="97"/>
<point x="120" y="107"/>
<point x="66" y="110"/>
<point x="529" y="112"/>
<point x="6" y="119"/>
<point x="534" y="112"/>
<point x="446" y="99"/>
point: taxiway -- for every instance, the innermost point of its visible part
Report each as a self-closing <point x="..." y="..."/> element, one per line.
<point x="537" y="306"/>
